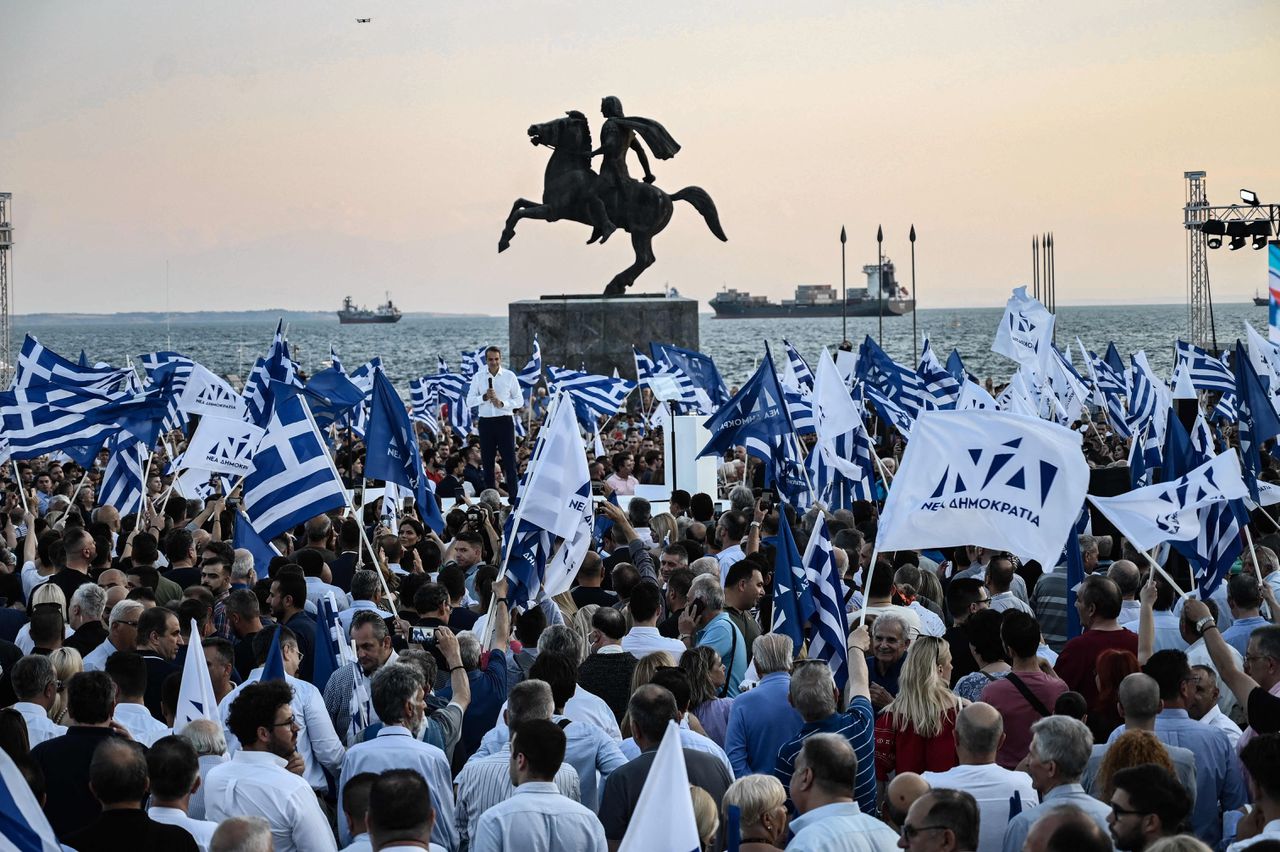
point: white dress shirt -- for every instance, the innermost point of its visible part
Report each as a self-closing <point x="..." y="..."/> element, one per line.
<point x="1198" y="655"/>
<point x="729" y="557"/>
<point x="538" y="819"/>
<point x="505" y="385"/>
<point x="256" y="783"/>
<point x="195" y="805"/>
<point x="39" y="726"/>
<point x="991" y="786"/>
<point x="139" y="722"/>
<point x="1270" y="831"/>
<point x="582" y="707"/>
<point x="1215" y="718"/>
<point x="840" y="827"/>
<point x="640" y="641"/>
<point x="26" y="644"/>
<point x="317" y="742"/>
<point x="486" y="781"/>
<point x="396" y="748"/>
<point x="690" y="740"/>
<point x="200" y="830"/>
<point x="97" y="659"/>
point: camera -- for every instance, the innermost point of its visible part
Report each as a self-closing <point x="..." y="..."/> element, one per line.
<point x="424" y="636"/>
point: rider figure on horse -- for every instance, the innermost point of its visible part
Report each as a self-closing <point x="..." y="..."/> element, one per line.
<point x="617" y="136"/>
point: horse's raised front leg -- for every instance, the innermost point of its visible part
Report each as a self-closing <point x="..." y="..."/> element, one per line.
<point x="523" y="208"/>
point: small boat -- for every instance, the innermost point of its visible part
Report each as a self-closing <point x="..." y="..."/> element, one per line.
<point x="353" y="315"/>
<point x="1260" y="301"/>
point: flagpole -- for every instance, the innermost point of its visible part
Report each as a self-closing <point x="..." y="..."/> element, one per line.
<point x="1163" y="573"/>
<point x="359" y="518"/>
<point x="1257" y="569"/>
<point x="17" y="478"/>
<point x="871" y="569"/>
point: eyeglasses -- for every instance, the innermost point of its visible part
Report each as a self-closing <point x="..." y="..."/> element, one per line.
<point x="986" y="600"/>
<point x="1119" y="811"/>
<point x="130" y="623"/>
<point x="287" y="723"/>
<point x="909" y="832"/>
<point x="1249" y="658"/>
<point x="816" y="662"/>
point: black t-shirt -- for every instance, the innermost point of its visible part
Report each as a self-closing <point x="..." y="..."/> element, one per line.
<point x="1264" y="711"/>
<point x="586" y="595"/>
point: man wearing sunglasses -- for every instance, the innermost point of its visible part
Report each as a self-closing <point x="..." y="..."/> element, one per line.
<point x="1148" y="803"/>
<point x="941" y="821"/>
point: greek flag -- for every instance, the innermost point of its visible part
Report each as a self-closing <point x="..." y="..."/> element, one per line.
<point x="177" y="369"/>
<point x="426" y="404"/>
<point x="593" y="396"/>
<point x="1225" y="408"/>
<point x="38" y="366"/>
<point x="840" y="464"/>
<point x="293" y="478"/>
<point x="939" y="383"/>
<point x="41" y="419"/>
<point x="793" y="604"/>
<point x="701" y="369"/>
<point x="797" y="373"/>
<point x="122" y="484"/>
<point x="889" y="411"/>
<point x="391" y="449"/>
<point x="452" y="389"/>
<point x="473" y="360"/>
<point x="669" y="383"/>
<point x="800" y="410"/>
<point x="362" y="378"/>
<point x="830" y="625"/>
<point x="1207" y="372"/>
<point x="1143" y="391"/>
<point x="532" y="372"/>
<point x="1105" y="379"/>
<point x="897" y="383"/>
<point x="25" y="828"/>
<point x="1168" y="511"/>
<point x="1217" y="545"/>
<point x="756" y="418"/>
<point x="335" y="361"/>
<point x="276" y="367"/>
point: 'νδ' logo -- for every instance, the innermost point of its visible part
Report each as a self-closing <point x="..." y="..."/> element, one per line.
<point x="995" y="480"/>
<point x="1169" y="523"/>
<point x="230" y="451"/>
<point x="215" y="395"/>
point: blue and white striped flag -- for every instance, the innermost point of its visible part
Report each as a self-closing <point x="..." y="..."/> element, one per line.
<point x="592" y="395"/>
<point x="793" y="603"/>
<point x="1144" y="393"/>
<point x="38" y="366"/>
<point x="800" y="410"/>
<point x="122" y="484"/>
<point x="451" y="390"/>
<point x="1104" y="377"/>
<point x="23" y="825"/>
<point x="335" y="361"/>
<point x="895" y="382"/>
<point x="362" y="377"/>
<point x="473" y="360"/>
<point x="157" y="366"/>
<point x="1217" y="545"/>
<point x="532" y="372"/>
<point x="277" y="366"/>
<point x="40" y="420"/>
<point x="1225" y="409"/>
<point x="293" y="478"/>
<point x="941" y="386"/>
<point x="426" y="404"/>
<point x="1207" y="372"/>
<point x="667" y="382"/>
<point x="828" y="636"/>
<point x="797" y="374"/>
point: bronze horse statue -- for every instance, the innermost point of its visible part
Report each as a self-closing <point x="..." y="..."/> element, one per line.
<point x="570" y="191"/>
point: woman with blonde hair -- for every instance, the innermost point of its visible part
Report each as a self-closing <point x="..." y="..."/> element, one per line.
<point x="46" y="594"/>
<point x="644" y="671"/>
<point x="1178" y="843"/>
<point x="581" y="622"/>
<point x="66" y="662"/>
<point x="663" y="529"/>
<point x="1132" y="748"/>
<point x="916" y="731"/>
<point x="704" y="814"/>
<point x="762" y="803"/>
<point x="706" y="679"/>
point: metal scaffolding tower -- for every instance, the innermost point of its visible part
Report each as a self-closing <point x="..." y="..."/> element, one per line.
<point x="6" y="306"/>
<point x="1200" y="327"/>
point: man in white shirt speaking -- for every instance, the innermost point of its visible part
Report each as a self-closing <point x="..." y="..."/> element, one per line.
<point x="495" y="391"/>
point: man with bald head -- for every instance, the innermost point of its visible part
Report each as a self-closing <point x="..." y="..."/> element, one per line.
<point x="1067" y="829"/>
<point x="1140" y="703"/>
<point x="1129" y="579"/>
<point x="979" y="733"/>
<point x="899" y="796"/>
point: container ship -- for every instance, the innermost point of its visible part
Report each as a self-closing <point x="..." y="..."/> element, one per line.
<point x="352" y="315"/>
<point x="821" y="300"/>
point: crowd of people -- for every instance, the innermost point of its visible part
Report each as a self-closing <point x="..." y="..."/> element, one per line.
<point x="972" y="716"/>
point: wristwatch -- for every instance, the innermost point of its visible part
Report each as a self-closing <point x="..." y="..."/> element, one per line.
<point x="1204" y="624"/>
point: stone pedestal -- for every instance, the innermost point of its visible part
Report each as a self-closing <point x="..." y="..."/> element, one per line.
<point x="598" y="331"/>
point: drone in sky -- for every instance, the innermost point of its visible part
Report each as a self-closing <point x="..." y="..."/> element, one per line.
<point x="363" y="20"/>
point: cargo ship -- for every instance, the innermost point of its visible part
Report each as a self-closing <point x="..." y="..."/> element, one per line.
<point x="352" y="315"/>
<point x="1260" y="301"/>
<point x="821" y="300"/>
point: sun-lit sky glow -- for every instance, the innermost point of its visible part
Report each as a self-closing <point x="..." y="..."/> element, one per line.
<point x="281" y="155"/>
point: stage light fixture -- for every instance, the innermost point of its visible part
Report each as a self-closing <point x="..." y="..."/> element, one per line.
<point x="1260" y="230"/>
<point x="1248" y="196"/>
<point x="1213" y="229"/>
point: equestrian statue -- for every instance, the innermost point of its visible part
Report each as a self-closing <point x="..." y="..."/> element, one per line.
<point x="611" y="199"/>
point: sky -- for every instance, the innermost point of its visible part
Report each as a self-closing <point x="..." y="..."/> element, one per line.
<point x="282" y="155"/>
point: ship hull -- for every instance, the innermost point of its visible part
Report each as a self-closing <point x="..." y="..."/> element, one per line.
<point x="1260" y="302"/>
<point x="868" y="308"/>
<point x="373" y="320"/>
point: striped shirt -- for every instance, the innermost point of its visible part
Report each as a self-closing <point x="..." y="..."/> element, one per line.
<point x="1049" y="600"/>
<point x="858" y="727"/>
<point x="486" y="781"/>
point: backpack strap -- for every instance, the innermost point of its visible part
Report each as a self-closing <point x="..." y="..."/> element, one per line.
<point x="1036" y="703"/>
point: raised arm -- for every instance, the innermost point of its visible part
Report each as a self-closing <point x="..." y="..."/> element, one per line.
<point x="1240" y="684"/>
<point x="1147" y="621"/>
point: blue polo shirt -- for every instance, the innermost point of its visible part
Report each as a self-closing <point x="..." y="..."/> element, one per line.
<point x="858" y="727"/>
<point x="723" y="635"/>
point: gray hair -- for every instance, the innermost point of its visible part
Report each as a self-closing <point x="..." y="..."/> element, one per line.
<point x="1139" y="695"/>
<point x="741" y="498"/>
<point x="1066" y="742"/>
<point x="1267" y="559"/>
<point x="92" y="600"/>
<point x="491" y="499"/>
<point x="772" y="653"/>
<point x="892" y="618"/>
<point x="242" y="834"/>
<point x="32" y="675"/>
<point x="469" y="650"/>
<point x="126" y="611"/>
<point x="529" y="700"/>
<point x="705" y="565"/>
<point x="707" y="588"/>
<point x="561" y="639"/>
<point x="365" y="585"/>
<point x="813" y="691"/>
<point x="392" y="686"/>
<point x="242" y="567"/>
<point x="205" y="736"/>
<point x="1087" y="543"/>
